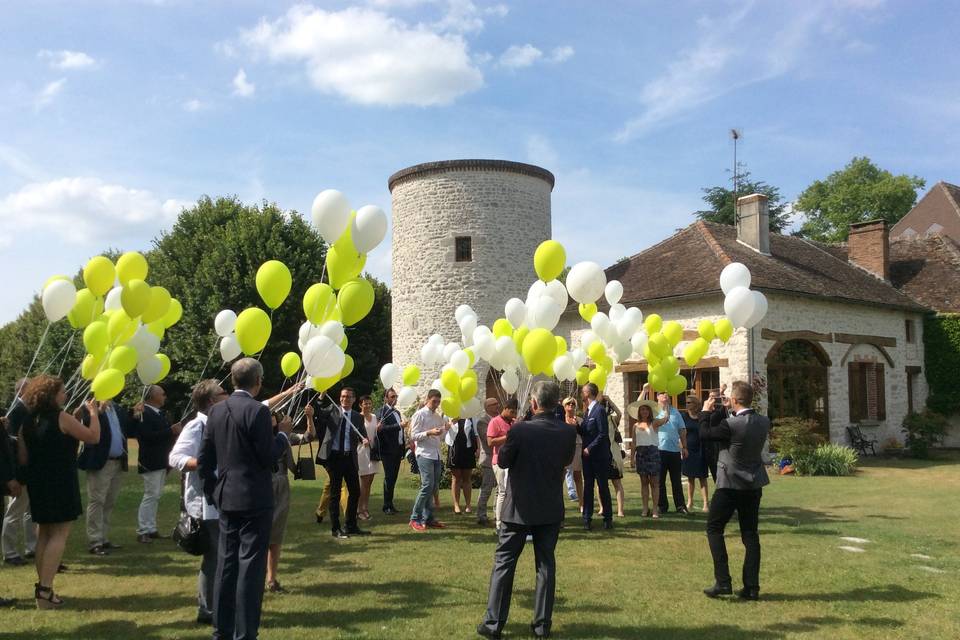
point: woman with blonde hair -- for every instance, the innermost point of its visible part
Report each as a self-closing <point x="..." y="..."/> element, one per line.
<point x="570" y="416"/>
<point x="48" y="449"/>
<point x="647" y="449"/>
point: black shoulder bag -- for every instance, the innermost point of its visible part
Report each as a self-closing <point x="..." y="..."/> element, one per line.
<point x="190" y="534"/>
<point x="305" y="469"/>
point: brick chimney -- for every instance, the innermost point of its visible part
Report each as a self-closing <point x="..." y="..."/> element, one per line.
<point x="753" y="222"/>
<point x="868" y="247"/>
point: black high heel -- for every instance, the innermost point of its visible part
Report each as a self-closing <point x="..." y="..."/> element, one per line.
<point x="45" y="597"/>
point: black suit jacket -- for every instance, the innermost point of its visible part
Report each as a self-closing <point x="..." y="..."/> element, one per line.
<point x="237" y="455"/>
<point x="741" y="439"/>
<point x="328" y="429"/>
<point x="8" y="465"/>
<point x="536" y="453"/>
<point x="18" y="416"/>
<point x="155" y="438"/>
<point x="390" y="434"/>
<point x="94" y="456"/>
<point x="595" y="432"/>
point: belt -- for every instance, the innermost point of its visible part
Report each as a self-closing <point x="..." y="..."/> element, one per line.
<point x="116" y="458"/>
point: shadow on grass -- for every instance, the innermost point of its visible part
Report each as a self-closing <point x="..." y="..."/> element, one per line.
<point x="887" y="593"/>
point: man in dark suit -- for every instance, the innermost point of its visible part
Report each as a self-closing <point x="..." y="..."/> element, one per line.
<point x="535" y="455"/>
<point x="393" y="446"/>
<point x="104" y="462"/>
<point x="741" y="476"/>
<point x="341" y="432"/>
<point x="9" y="486"/>
<point x="235" y="466"/>
<point x="155" y="436"/>
<point x="595" y="433"/>
<point x="16" y="518"/>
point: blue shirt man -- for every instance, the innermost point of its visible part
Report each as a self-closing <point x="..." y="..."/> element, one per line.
<point x="669" y="432"/>
<point x="116" y="433"/>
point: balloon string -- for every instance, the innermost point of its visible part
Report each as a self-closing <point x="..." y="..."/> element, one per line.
<point x="59" y="353"/>
<point x="33" y="361"/>
<point x="66" y="357"/>
<point x="202" y="372"/>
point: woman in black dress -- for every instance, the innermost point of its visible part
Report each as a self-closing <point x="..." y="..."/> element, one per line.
<point x="463" y="444"/>
<point x="694" y="467"/>
<point x="48" y="450"/>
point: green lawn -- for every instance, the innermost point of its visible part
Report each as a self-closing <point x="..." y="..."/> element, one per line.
<point x="641" y="581"/>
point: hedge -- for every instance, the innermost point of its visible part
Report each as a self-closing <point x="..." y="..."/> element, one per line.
<point x="941" y="342"/>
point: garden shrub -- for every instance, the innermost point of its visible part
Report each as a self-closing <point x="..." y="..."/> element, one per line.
<point x="826" y="460"/>
<point x="791" y="437"/>
<point x="924" y="430"/>
<point x="941" y="343"/>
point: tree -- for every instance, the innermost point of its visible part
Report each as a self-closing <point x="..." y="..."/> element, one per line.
<point x="721" y="201"/>
<point x="859" y="192"/>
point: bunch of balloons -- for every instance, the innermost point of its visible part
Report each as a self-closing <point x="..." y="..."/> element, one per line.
<point x="123" y="320"/>
<point x="743" y="306"/>
<point x="391" y="375"/>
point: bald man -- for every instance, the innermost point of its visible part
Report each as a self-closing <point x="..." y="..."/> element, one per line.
<point x="489" y="483"/>
<point x="156" y="436"/>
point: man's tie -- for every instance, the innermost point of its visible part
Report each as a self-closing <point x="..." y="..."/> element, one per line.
<point x="344" y="431"/>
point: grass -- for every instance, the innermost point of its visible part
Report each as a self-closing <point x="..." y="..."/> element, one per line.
<point x="641" y="581"/>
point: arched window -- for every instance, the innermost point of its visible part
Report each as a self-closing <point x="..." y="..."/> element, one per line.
<point x="797" y="375"/>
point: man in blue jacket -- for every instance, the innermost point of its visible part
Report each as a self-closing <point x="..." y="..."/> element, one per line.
<point x="595" y="432"/>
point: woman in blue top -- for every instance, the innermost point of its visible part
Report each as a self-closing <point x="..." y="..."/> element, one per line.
<point x="695" y="464"/>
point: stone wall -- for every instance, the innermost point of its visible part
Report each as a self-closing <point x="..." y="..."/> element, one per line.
<point x="503" y="207"/>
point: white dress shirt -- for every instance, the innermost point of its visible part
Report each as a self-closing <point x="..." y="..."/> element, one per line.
<point x="188" y="446"/>
<point x="423" y="421"/>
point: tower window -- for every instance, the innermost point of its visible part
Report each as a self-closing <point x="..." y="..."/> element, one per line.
<point x="463" y="249"/>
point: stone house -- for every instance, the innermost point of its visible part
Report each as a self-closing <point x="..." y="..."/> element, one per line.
<point x="840" y="344"/>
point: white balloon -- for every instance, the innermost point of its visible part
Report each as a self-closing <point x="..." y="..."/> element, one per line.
<point x="406" y="397"/>
<point x="148" y="369"/>
<point x="450" y="349"/>
<point x="623" y="350"/>
<point x="506" y="351"/>
<point x="586" y="339"/>
<point x="471" y="408"/>
<point x="638" y="342"/>
<point x="759" y="309"/>
<point x="600" y="324"/>
<point x="145" y="343"/>
<point x="510" y="381"/>
<point x="229" y="348"/>
<point x="58" y="299"/>
<point x="613" y="292"/>
<point x="558" y="293"/>
<point x="331" y="214"/>
<point x="738" y="305"/>
<point x="617" y="311"/>
<point x="468" y="324"/>
<point x="634" y="317"/>
<point x="368" y="228"/>
<point x="537" y="289"/>
<point x="322" y="357"/>
<point x="545" y="313"/>
<point x="389" y="375"/>
<point x="734" y="275"/>
<point x="436" y="339"/>
<point x="563" y="367"/>
<point x="333" y="330"/>
<point x="426" y="355"/>
<point x="586" y="282"/>
<point x="460" y="361"/>
<point x="515" y="311"/>
<point x="113" y="302"/>
<point x="579" y="357"/>
<point x="483" y="344"/>
<point x="225" y="323"/>
<point x="463" y="310"/>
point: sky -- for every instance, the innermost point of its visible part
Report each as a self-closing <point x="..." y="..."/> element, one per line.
<point x="116" y="114"/>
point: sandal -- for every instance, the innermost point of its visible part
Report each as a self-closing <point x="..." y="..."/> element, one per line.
<point x="45" y="597"/>
<point x="467" y="510"/>
<point x="645" y="513"/>
<point x="274" y="587"/>
<point x="656" y="515"/>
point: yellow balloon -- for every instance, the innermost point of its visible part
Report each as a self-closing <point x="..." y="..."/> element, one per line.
<point x="583" y="376"/>
<point x="273" y="283"/>
<point x="587" y="311"/>
<point x="344" y="262"/>
<point x="164" y="366"/>
<point x="343" y="343"/>
<point x="724" y="329"/>
<point x="673" y="332"/>
<point x="411" y="375"/>
<point x="90" y="366"/>
<point x="549" y="260"/>
<point x="173" y="314"/>
<point x="322" y="384"/>
<point x="253" y="330"/>
<point x="131" y="266"/>
<point x="657" y="381"/>
<point x="648" y="355"/>
<point x="318" y="301"/>
<point x="135" y="297"/>
<point x="519" y="335"/>
<point x="561" y="346"/>
<point x="158" y="305"/>
<point x="156" y="328"/>
<point x="450" y="406"/>
<point x="599" y="377"/>
<point x="54" y="279"/>
<point x="290" y="364"/>
<point x="96" y="337"/>
<point x="85" y="310"/>
<point x="676" y="385"/>
<point x="659" y="344"/>
<point x="606" y="362"/>
<point x="123" y="358"/>
<point x="706" y="330"/>
<point x="355" y="300"/>
<point x="470" y="373"/>
<point x="450" y="380"/>
<point x="538" y="350"/>
<point x="120" y="328"/>
<point x="502" y="327"/>
<point x="99" y="275"/>
<point x="669" y="366"/>
<point x="107" y="384"/>
<point x="690" y="354"/>
<point x="347" y="366"/>
<point x="596" y="350"/>
<point x="468" y="388"/>
<point x="471" y="355"/>
<point x="652" y="323"/>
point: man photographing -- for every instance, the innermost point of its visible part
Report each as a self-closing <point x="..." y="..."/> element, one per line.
<point x="741" y="476"/>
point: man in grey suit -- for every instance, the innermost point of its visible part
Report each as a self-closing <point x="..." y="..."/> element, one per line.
<point x="741" y="476"/>
<point x="535" y="456"/>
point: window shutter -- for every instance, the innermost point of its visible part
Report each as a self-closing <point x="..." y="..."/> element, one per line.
<point x="881" y="393"/>
<point x="855" y="392"/>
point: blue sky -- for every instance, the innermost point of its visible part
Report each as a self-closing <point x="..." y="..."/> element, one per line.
<point x="115" y="114"/>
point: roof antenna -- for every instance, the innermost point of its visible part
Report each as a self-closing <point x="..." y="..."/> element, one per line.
<point x="735" y="134"/>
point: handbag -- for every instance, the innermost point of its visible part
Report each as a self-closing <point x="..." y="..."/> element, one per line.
<point x="190" y="534"/>
<point x="305" y="468"/>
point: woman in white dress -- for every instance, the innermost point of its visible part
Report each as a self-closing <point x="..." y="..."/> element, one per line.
<point x="368" y="467"/>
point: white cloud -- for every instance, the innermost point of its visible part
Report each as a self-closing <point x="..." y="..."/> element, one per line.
<point x="193" y="105"/>
<point x="67" y="60"/>
<point x="79" y="210"/>
<point x="241" y="86"/>
<point x="519" y="56"/>
<point x="540" y="152"/>
<point x="368" y="57"/>
<point x="49" y="93"/>
<point x="561" y="54"/>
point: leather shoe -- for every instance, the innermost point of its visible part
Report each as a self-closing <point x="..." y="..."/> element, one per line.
<point x="99" y="550"/>
<point x="30" y="555"/>
<point x="718" y="590"/>
<point x="110" y="546"/>
<point x="587" y="525"/>
<point x="143" y="538"/>
<point x="204" y="618"/>
<point x="487" y="632"/>
<point x="319" y="519"/>
<point x="748" y="594"/>
<point x="539" y="632"/>
<point x="155" y="535"/>
<point x="608" y="525"/>
<point x="339" y="534"/>
<point x="357" y="531"/>
<point x="15" y="561"/>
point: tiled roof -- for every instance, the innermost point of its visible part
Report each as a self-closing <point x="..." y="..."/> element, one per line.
<point x="928" y="270"/>
<point x="689" y="262"/>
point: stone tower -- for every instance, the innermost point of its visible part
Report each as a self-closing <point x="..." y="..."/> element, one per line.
<point x="464" y="232"/>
